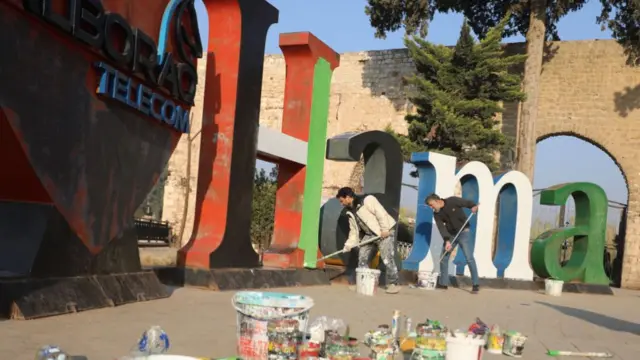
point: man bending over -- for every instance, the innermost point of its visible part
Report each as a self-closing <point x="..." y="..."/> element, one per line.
<point x="368" y="219"/>
<point x="450" y="218"/>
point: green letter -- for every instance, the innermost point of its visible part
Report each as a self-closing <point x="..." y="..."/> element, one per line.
<point x="315" y="162"/>
<point x="586" y="262"/>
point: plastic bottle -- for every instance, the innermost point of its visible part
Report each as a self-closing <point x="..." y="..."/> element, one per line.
<point x="395" y="324"/>
<point x="51" y="352"/>
<point x="153" y="341"/>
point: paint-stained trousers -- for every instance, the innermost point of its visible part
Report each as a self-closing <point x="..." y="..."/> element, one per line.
<point x="387" y="255"/>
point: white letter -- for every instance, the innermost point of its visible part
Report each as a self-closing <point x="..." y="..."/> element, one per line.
<point x="512" y="247"/>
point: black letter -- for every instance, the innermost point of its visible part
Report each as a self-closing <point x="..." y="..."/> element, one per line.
<point x="88" y="24"/>
<point x="382" y="178"/>
<point x="57" y="19"/>
<point x="124" y="56"/>
<point x="181" y="35"/>
<point x="168" y="74"/>
<point x="33" y="6"/>
<point x="187" y="74"/>
<point x="145" y="64"/>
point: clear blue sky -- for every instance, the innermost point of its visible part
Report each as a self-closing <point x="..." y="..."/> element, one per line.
<point x="343" y="25"/>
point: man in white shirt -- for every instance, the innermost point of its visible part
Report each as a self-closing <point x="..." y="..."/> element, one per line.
<point x="368" y="219"/>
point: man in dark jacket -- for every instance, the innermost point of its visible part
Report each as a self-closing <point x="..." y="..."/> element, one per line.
<point x="450" y="218"/>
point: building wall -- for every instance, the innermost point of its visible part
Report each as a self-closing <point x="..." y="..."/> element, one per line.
<point x="587" y="90"/>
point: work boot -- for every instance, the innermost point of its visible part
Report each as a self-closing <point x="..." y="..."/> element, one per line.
<point x="475" y="289"/>
<point x="441" y="287"/>
<point x="393" y="289"/>
<point x="352" y="288"/>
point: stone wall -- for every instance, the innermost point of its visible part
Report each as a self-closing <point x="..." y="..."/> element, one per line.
<point x="182" y="173"/>
<point x="587" y="91"/>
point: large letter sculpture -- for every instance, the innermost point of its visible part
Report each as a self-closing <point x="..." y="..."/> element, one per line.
<point x="237" y="35"/>
<point x="514" y="192"/>
<point x="589" y="235"/>
<point x="310" y="64"/>
<point x="382" y="177"/>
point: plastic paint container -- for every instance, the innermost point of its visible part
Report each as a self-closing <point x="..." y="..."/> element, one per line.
<point x="513" y="344"/>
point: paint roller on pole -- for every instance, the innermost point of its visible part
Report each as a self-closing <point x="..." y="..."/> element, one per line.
<point x="373" y="239"/>
<point x="455" y="238"/>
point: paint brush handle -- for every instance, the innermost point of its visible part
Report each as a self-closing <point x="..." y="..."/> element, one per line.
<point x="456" y="237"/>
<point x="579" y="354"/>
<point x="373" y="239"/>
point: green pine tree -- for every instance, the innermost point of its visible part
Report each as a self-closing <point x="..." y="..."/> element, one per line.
<point x="457" y="93"/>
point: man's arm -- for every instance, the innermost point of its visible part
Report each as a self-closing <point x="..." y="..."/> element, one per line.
<point x="443" y="230"/>
<point x="354" y="233"/>
<point x="465" y="203"/>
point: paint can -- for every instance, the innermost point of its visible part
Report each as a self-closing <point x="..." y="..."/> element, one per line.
<point x="367" y="281"/>
<point x="426" y="354"/>
<point x="427" y="280"/>
<point x="165" y="357"/>
<point x="553" y="287"/>
<point x="463" y="347"/>
<point x="513" y="344"/>
<point x="261" y="315"/>
<point x="495" y="341"/>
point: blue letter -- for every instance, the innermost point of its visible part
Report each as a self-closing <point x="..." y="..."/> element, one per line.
<point x="144" y="99"/>
<point x="119" y="91"/>
<point x="170" y="117"/>
<point x="156" y="104"/>
<point x="182" y="120"/>
<point x="105" y="78"/>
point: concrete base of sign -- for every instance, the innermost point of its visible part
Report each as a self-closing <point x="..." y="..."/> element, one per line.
<point x="341" y="276"/>
<point x="31" y="298"/>
<point x="239" y="279"/>
<point x="534" y="285"/>
<point x="464" y="282"/>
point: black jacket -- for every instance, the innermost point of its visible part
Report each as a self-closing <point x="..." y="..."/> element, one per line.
<point x="451" y="217"/>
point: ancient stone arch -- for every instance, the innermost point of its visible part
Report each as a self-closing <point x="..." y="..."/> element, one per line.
<point x="615" y="150"/>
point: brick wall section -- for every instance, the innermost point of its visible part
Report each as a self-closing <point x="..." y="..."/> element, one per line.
<point x="367" y="93"/>
<point x="583" y="93"/>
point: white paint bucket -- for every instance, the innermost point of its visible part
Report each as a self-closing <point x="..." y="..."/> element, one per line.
<point x="553" y="287"/>
<point x="427" y="280"/>
<point x="367" y="281"/>
<point x="464" y="348"/>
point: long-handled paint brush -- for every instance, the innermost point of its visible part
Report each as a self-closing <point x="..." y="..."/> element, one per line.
<point x="456" y="237"/>
<point x="579" y="354"/>
<point x="373" y="239"/>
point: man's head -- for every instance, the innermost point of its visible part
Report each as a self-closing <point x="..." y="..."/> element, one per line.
<point x="346" y="195"/>
<point x="434" y="202"/>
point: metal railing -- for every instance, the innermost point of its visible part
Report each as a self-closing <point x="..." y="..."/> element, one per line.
<point x="152" y="232"/>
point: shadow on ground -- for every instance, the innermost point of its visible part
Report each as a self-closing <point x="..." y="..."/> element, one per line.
<point x="604" y="321"/>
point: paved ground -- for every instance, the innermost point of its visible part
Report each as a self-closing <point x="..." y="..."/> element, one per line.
<point x="202" y="323"/>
